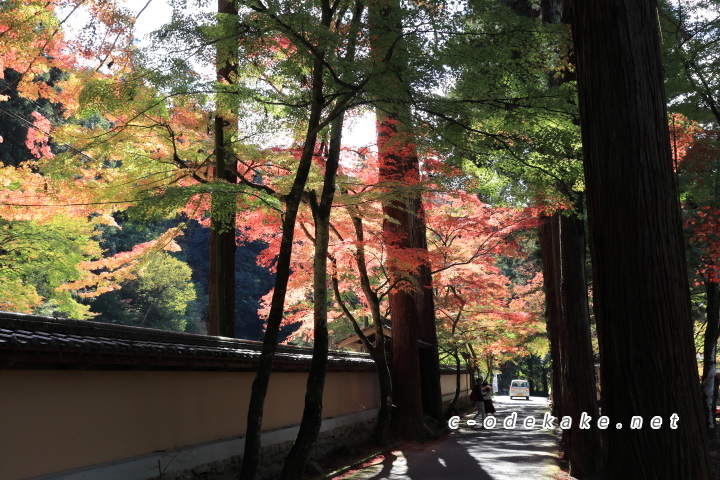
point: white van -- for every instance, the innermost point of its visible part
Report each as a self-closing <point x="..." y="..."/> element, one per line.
<point x="520" y="388"/>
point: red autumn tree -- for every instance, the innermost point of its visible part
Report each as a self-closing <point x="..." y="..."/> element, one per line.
<point x="696" y="153"/>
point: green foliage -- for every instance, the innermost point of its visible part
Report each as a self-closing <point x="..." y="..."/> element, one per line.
<point x="161" y="204"/>
<point x="38" y="257"/>
<point x="692" y="58"/>
<point x="511" y="114"/>
<point x="164" y="285"/>
<point x="535" y="368"/>
<point x="162" y="296"/>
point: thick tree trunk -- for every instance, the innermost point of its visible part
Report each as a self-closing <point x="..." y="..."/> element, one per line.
<point x="407" y="417"/>
<point x="397" y="229"/>
<point x="411" y="304"/>
<point x="571" y="333"/>
<point x="427" y="331"/>
<point x="221" y="284"/>
<point x="563" y="252"/>
<point x="547" y="232"/>
<point x="579" y="374"/>
<point x="712" y="329"/>
<point x="545" y="385"/>
<point x="641" y="294"/>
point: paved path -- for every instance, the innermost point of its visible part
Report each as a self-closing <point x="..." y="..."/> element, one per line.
<point x="477" y="453"/>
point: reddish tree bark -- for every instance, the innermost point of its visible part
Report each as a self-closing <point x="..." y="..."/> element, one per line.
<point x="398" y="229"/>
<point x="427" y="331"/>
<point x="414" y="346"/>
<point x="562" y="243"/>
<point x="578" y="365"/>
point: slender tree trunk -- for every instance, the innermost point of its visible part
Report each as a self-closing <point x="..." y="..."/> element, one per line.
<point x="251" y="457"/>
<point x="712" y="329"/>
<point x="312" y="415"/>
<point x="379" y="349"/>
<point x="382" y="427"/>
<point x="452" y="407"/>
<point x="221" y="285"/>
<point x="640" y="285"/>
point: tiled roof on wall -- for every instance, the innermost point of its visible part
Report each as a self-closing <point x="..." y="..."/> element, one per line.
<point x="35" y="342"/>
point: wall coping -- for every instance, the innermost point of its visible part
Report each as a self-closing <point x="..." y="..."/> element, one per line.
<point x="38" y="342"/>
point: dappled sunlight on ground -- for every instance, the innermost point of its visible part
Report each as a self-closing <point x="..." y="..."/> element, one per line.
<point x="474" y="452"/>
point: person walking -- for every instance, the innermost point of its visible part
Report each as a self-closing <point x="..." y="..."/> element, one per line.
<point x="476" y="396"/>
<point x="487" y="392"/>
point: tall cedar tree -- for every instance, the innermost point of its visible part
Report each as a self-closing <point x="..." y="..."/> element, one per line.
<point x="411" y="302"/>
<point x="562" y="242"/>
<point x="641" y="294"/>
<point x="221" y="283"/>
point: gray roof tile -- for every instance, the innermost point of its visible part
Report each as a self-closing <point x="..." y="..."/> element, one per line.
<point x="28" y="341"/>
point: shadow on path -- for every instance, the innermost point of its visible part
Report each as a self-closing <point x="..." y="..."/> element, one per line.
<point x="446" y="458"/>
<point x="475" y="453"/>
<point x="387" y="465"/>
